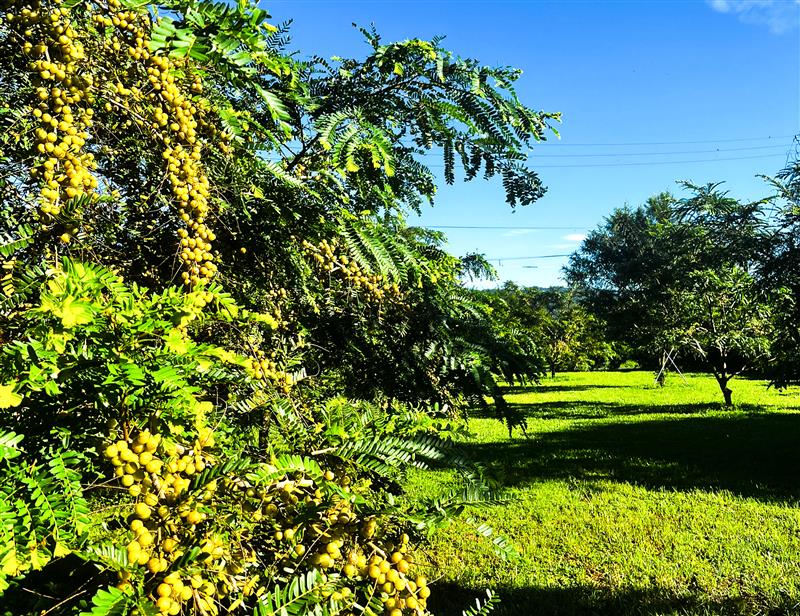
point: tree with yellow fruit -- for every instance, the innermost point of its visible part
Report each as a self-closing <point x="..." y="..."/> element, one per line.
<point x="213" y="363"/>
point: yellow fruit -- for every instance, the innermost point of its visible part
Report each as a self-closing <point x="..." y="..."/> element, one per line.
<point x="164" y="603"/>
<point x="142" y="511"/>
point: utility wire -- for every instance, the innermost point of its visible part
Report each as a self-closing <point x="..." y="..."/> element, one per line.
<point x="526" y="258"/>
<point x="756" y="147"/>
<point x="501" y="228"/>
<point x="613" y="154"/>
<point x="665" y="162"/>
<point x="645" y="163"/>
<point x="632" y="143"/>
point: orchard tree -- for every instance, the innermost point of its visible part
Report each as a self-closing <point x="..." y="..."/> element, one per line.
<point x="622" y="267"/>
<point x="567" y="335"/>
<point x="781" y="270"/>
<point x="725" y="320"/>
<point x="679" y="273"/>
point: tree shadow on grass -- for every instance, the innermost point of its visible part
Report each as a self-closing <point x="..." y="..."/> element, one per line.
<point x="754" y="455"/>
<point x="451" y="599"/>
<point x="583" y="409"/>
<point x="546" y="387"/>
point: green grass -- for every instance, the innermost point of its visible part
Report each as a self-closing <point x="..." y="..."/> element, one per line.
<point x="632" y="499"/>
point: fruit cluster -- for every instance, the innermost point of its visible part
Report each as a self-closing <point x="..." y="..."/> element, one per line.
<point x="312" y="525"/>
<point x="325" y="256"/>
<point x="56" y="64"/>
<point x="131" y="86"/>
<point x="168" y="517"/>
<point x="173" y="117"/>
<point x="182" y="153"/>
<point x="260" y="367"/>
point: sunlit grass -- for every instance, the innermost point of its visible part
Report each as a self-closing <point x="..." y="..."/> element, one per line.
<point x="634" y="499"/>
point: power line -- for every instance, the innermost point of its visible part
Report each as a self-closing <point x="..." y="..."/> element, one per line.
<point x="663" y="162"/>
<point x="756" y="147"/>
<point x="526" y="258"/>
<point x="616" y="154"/>
<point x="502" y="228"/>
<point x="643" y="163"/>
<point x="632" y="143"/>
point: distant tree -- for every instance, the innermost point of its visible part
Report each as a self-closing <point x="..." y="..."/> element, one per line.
<point x="622" y="267"/>
<point x="782" y="270"/>
<point x="568" y="336"/>
<point x="681" y="274"/>
<point x="725" y="320"/>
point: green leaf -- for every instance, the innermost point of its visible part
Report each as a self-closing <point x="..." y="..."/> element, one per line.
<point x="108" y="602"/>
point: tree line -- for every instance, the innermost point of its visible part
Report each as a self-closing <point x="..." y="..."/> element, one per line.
<point x="707" y="276"/>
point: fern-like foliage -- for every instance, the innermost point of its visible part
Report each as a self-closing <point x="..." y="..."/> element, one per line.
<point x="483" y="608"/>
<point x="381" y="249"/>
<point x="43" y="512"/>
<point x="302" y="594"/>
<point x="470" y="112"/>
<point x="109" y="602"/>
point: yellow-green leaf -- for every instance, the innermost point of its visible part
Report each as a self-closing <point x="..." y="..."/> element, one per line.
<point x="61" y="550"/>
<point x="75" y="312"/>
<point x="176" y="342"/>
<point x="7" y="396"/>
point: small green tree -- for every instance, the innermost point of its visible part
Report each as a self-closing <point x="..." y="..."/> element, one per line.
<point x="725" y="320"/>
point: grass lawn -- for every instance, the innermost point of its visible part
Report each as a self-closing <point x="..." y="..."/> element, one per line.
<point x="633" y="499"/>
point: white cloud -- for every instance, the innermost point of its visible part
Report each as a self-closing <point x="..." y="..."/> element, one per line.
<point x="778" y="15"/>
<point x="575" y="237"/>
<point x="516" y="232"/>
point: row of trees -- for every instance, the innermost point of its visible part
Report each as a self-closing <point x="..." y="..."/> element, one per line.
<point x="567" y="336"/>
<point x="221" y="343"/>
<point x="708" y="275"/>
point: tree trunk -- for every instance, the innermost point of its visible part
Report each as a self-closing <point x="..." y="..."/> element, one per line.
<point x="726" y="391"/>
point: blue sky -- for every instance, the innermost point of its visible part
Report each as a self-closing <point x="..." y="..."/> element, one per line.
<point x="690" y="81"/>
